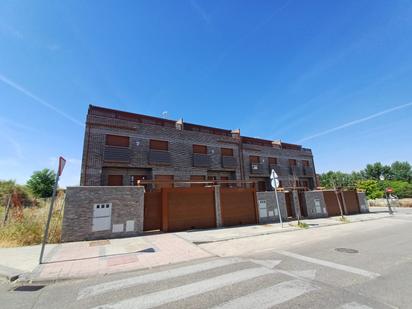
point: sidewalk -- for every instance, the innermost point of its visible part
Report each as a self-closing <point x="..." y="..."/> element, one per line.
<point x="222" y="234"/>
<point x="93" y="258"/>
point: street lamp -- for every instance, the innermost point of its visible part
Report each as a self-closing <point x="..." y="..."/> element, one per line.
<point x="382" y="178"/>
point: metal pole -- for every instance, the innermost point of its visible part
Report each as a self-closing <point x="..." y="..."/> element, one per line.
<point x="389" y="204"/>
<point x="6" y="212"/>
<point x="277" y="202"/>
<point x="46" y="231"/>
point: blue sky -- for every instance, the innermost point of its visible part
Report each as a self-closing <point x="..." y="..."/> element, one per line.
<point x="335" y="76"/>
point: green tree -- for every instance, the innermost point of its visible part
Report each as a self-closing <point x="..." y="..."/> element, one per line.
<point x="401" y="171"/>
<point x="371" y="187"/>
<point x="373" y="171"/>
<point x="41" y="183"/>
<point x="339" y="179"/>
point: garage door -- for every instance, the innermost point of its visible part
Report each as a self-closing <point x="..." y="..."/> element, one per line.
<point x="188" y="208"/>
<point x="351" y="202"/>
<point x="331" y="202"/>
<point x="238" y="206"/>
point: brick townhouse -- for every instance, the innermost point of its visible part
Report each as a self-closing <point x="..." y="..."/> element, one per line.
<point x="121" y="148"/>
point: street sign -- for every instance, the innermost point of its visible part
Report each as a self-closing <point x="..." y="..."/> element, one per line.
<point x="274" y="182"/>
<point x="389" y="190"/>
<point x="62" y="163"/>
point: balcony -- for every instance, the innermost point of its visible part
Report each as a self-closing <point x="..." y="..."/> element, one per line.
<point x="229" y="162"/>
<point x="116" y="154"/>
<point x="308" y="171"/>
<point x="159" y="157"/>
<point x="257" y="168"/>
<point x="201" y="160"/>
<point x="280" y="170"/>
<point x="296" y="170"/>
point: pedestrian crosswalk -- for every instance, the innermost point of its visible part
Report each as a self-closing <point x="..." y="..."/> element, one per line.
<point x="267" y="286"/>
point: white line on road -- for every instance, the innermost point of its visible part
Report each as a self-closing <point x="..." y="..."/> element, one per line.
<point x="152" y="277"/>
<point x="178" y="293"/>
<point x="354" y="305"/>
<point x="342" y="267"/>
<point x="271" y="296"/>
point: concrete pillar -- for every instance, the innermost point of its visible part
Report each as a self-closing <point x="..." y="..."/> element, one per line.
<point x="218" y="209"/>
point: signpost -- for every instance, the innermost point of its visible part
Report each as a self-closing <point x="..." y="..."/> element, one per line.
<point x="387" y="190"/>
<point x="274" y="182"/>
<point x="62" y="163"/>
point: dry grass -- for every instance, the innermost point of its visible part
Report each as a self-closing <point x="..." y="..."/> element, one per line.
<point x="29" y="230"/>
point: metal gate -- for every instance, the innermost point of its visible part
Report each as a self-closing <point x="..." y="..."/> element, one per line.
<point x="331" y="201"/>
<point x="188" y="208"/>
<point x="152" y="211"/>
<point x="238" y="206"/>
<point x="351" y="202"/>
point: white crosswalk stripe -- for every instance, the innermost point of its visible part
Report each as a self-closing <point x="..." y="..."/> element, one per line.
<point x="354" y="305"/>
<point x="178" y="293"/>
<point x="153" y="277"/>
<point x="270" y="296"/>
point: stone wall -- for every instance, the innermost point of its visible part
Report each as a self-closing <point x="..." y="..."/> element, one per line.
<point x="315" y="204"/>
<point x="127" y="210"/>
<point x="271" y="213"/>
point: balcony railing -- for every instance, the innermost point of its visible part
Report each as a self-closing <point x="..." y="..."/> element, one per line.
<point x="201" y="160"/>
<point x="257" y="168"/>
<point x="308" y="171"/>
<point x="229" y="162"/>
<point x="296" y="170"/>
<point x="159" y="157"/>
<point x="280" y="170"/>
<point x="116" y="154"/>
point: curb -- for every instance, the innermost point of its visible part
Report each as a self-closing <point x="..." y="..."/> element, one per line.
<point x="295" y="229"/>
<point x="9" y="273"/>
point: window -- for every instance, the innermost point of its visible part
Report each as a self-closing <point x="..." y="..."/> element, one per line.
<point x="292" y="162"/>
<point x="305" y="163"/>
<point x="200" y="149"/>
<point x="254" y="159"/>
<point x="273" y="161"/>
<point x="164" y="181"/>
<point x="227" y="152"/>
<point x="159" y="145"/>
<point x="117" y="140"/>
<point x="197" y="178"/>
<point x="115" y="180"/>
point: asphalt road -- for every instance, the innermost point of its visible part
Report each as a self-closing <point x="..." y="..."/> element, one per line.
<point x="373" y="269"/>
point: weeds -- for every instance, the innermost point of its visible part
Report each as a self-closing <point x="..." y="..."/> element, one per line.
<point x="344" y="220"/>
<point x="29" y="230"/>
<point x="303" y="225"/>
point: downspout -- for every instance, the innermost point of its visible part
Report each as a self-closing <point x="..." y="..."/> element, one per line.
<point x="87" y="154"/>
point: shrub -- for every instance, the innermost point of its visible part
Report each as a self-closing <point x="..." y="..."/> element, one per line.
<point x="371" y="187"/>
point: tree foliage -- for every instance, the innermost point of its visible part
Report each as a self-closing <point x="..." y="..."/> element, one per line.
<point x="398" y="176"/>
<point x="41" y="183"/>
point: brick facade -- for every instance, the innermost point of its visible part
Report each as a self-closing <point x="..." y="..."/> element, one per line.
<point x="138" y="160"/>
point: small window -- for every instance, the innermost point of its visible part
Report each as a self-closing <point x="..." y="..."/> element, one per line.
<point x="98" y="206"/>
<point x="117" y="140"/>
<point x="227" y="152"/>
<point x="292" y="162"/>
<point x="305" y="163"/>
<point x="159" y="145"/>
<point x="273" y="161"/>
<point x="254" y="159"/>
<point x="202" y="149"/>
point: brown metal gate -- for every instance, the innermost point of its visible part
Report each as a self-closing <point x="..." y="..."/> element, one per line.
<point x="288" y="198"/>
<point x="152" y="211"/>
<point x="331" y="201"/>
<point x="351" y="202"/>
<point x="188" y="208"/>
<point x="238" y="206"/>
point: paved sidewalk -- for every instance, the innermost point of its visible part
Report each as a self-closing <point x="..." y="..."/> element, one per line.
<point x="222" y="234"/>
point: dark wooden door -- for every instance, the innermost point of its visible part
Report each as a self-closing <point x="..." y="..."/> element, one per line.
<point x="115" y="180"/>
<point x="238" y="206"/>
<point x="152" y="211"/>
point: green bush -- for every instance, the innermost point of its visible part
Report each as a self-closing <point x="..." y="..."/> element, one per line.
<point x="401" y="189"/>
<point x="371" y="187"/>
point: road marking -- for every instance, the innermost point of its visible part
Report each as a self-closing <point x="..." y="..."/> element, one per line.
<point x="271" y="296"/>
<point x="354" y="305"/>
<point x="342" y="267"/>
<point x="178" y="293"/>
<point x="267" y="263"/>
<point x="307" y="274"/>
<point x="152" y="277"/>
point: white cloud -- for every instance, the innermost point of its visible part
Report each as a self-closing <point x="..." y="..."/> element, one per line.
<point x="357" y="121"/>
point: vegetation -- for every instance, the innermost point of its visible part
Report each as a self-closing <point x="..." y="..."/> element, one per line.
<point x="398" y="176"/>
<point x="41" y="183"/>
<point x="28" y="210"/>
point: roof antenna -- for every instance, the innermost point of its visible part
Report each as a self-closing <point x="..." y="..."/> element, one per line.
<point x="165" y="114"/>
